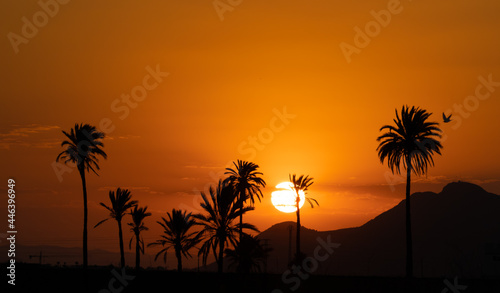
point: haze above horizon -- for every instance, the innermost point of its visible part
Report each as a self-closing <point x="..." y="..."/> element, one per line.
<point x="183" y="92"/>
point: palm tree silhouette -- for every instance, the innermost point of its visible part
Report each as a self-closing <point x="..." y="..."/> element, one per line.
<point x="222" y="209"/>
<point x="246" y="182"/>
<point x="176" y="234"/>
<point x="411" y="143"/>
<point x="82" y="149"/>
<point x="248" y="255"/>
<point x="120" y="203"/>
<point x="138" y="215"/>
<point x="300" y="184"/>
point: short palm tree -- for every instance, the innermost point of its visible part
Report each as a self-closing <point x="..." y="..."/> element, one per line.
<point x="246" y="182"/>
<point x="248" y="255"/>
<point x="410" y="144"/>
<point x="301" y="184"/>
<point x="177" y="234"/>
<point x="120" y="203"/>
<point x="83" y="147"/>
<point x="138" y="215"/>
<point x="221" y="210"/>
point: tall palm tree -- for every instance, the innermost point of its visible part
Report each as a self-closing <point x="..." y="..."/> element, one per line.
<point x="176" y="234"/>
<point x="411" y="144"/>
<point x="138" y="215"/>
<point x="120" y="203"/>
<point x="300" y="184"/>
<point x="221" y="210"/>
<point x="83" y="147"/>
<point x="248" y="255"/>
<point x="246" y="182"/>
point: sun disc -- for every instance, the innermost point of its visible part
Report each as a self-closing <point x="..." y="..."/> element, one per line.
<point x="284" y="199"/>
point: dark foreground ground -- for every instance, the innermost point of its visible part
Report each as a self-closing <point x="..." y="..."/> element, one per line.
<point x="35" y="278"/>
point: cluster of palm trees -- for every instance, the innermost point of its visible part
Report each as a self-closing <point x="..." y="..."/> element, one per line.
<point x="223" y="206"/>
<point x="410" y="144"/>
<point x="220" y="228"/>
<point x="83" y="147"/>
<point x="121" y="203"/>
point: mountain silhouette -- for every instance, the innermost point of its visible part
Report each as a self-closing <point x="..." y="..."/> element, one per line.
<point x="455" y="233"/>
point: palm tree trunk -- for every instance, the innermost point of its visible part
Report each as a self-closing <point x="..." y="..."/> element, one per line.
<point x="137" y="252"/>
<point x="409" y="245"/>
<point x="220" y="262"/>
<point x="241" y="215"/>
<point x="85" y="213"/>
<point x="120" y="235"/>
<point x="179" y="260"/>
<point x="297" y="256"/>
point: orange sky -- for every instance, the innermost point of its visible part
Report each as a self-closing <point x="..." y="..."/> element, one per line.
<point x="227" y="80"/>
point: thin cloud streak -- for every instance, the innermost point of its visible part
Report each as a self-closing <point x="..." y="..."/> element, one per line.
<point x="24" y="136"/>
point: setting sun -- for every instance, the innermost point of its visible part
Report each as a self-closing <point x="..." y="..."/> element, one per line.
<point x="284" y="198"/>
<point x="181" y="128"/>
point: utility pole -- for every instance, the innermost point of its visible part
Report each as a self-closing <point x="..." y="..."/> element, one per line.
<point x="38" y="256"/>
<point x="265" y="246"/>
<point x="290" y="228"/>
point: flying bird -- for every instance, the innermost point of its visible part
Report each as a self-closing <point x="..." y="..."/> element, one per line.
<point x="446" y="119"/>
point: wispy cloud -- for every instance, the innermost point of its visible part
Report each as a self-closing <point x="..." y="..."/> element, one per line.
<point x="123" y="137"/>
<point x="190" y="178"/>
<point x="137" y="189"/>
<point x="29" y="136"/>
<point x="483" y="181"/>
<point x="26" y="130"/>
<point x="433" y="179"/>
<point x="203" y="167"/>
<point x="442" y="179"/>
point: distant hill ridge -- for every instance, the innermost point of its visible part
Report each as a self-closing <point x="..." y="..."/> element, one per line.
<point x="455" y="233"/>
<point x="70" y="256"/>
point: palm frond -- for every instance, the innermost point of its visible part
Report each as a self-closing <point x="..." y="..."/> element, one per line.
<point x="101" y="222"/>
<point x="120" y="203"/>
<point x="176" y="233"/>
<point x="138" y="215"/>
<point x="246" y="180"/>
<point x="411" y="143"/>
<point x="83" y="147"/>
<point x="221" y="209"/>
<point x="311" y="200"/>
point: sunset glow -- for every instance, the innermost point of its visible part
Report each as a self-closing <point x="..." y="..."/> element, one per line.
<point x="284" y="199"/>
<point x="182" y="89"/>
